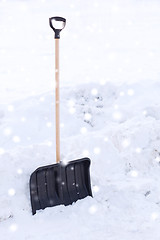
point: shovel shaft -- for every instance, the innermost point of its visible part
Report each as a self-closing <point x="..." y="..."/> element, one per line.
<point x="57" y="107"/>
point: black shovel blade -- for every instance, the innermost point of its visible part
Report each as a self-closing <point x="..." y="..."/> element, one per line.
<point x="57" y="184"/>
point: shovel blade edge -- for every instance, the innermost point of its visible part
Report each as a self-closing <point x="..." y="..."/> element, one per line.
<point x="58" y="184"/>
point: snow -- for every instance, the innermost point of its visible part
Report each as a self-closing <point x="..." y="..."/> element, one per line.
<point x="110" y="112"/>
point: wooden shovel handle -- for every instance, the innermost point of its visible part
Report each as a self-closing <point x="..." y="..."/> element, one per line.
<point x="57" y="104"/>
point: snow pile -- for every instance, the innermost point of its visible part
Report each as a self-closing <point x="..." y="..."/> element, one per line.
<point x="119" y="132"/>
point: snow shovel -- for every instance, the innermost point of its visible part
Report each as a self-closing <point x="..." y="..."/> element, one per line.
<point x="59" y="183"/>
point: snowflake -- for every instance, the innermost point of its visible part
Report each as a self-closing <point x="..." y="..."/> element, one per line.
<point x="138" y="150"/>
<point x="72" y="110"/>
<point x="64" y="162"/>
<point x="95" y="189"/>
<point x="10" y="108"/>
<point x="154" y="216"/>
<point x="23" y="119"/>
<point x="41" y="99"/>
<point x="77" y="14"/>
<point x="87" y="116"/>
<point x="102" y="82"/>
<point x="97" y="150"/>
<point x="93" y="209"/>
<point x="85" y="153"/>
<point x="87" y="78"/>
<point x="62" y="125"/>
<point x="71" y="103"/>
<point x="121" y="94"/>
<point x="33" y="93"/>
<point x="116" y="106"/>
<point x="125" y="143"/>
<point x="45" y="58"/>
<point x="23" y="7"/>
<point x="115" y="8"/>
<point x="13" y="227"/>
<point x="3" y="51"/>
<point x="112" y="56"/>
<point x="96" y="4"/>
<point x="16" y="139"/>
<point x="127" y="61"/>
<point x="11" y="192"/>
<point x="151" y="54"/>
<point x="10" y="17"/>
<point x="137" y="42"/>
<point x="157" y="159"/>
<point x="2" y="151"/>
<point x="94" y="91"/>
<point x="117" y="115"/>
<point x="129" y="23"/>
<point x="120" y="69"/>
<point x="130" y="92"/>
<point x="83" y="130"/>
<point x="134" y="173"/>
<point x="107" y="45"/>
<point x="49" y="143"/>
<point x="49" y="124"/>
<point x="106" y="139"/>
<point x="7" y="131"/>
<point x="33" y="50"/>
<point x="19" y="171"/>
<point x="144" y="112"/>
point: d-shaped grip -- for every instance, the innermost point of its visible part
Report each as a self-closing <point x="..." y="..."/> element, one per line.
<point x="57" y="24"/>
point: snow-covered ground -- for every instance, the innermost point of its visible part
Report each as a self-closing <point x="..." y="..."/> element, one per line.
<point x="110" y="112"/>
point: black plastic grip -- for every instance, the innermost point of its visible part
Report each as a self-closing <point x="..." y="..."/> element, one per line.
<point x="57" y="30"/>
